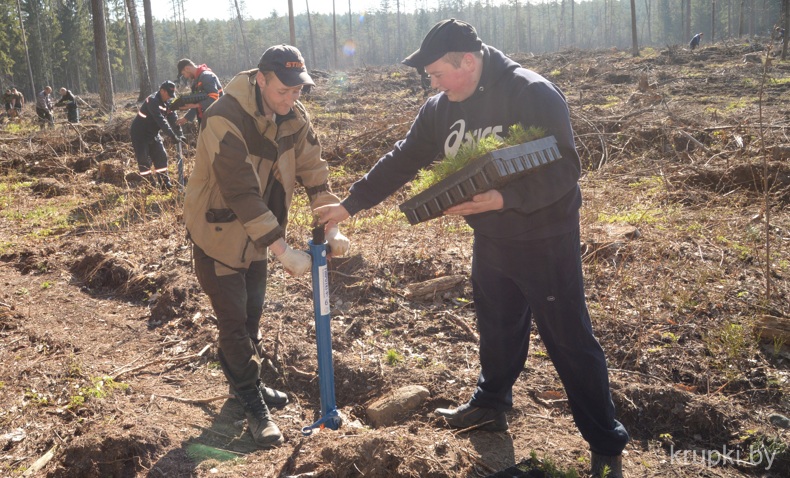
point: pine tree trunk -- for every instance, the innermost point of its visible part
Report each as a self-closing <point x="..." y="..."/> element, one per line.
<point x="132" y="74"/>
<point x="243" y="36"/>
<point x="634" y="40"/>
<point x="150" y="41"/>
<point x="786" y="23"/>
<point x="142" y="64"/>
<point x="103" y="71"/>
<point x="312" y="36"/>
<point x="27" y="53"/>
<point x="291" y="25"/>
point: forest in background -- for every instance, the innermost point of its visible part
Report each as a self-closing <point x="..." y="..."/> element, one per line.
<point x="59" y="34"/>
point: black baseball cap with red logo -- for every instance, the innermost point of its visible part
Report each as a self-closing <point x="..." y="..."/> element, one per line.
<point x="287" y="63"/>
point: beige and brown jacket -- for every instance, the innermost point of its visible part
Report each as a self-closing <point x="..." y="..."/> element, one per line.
<point x="246" y="168"/>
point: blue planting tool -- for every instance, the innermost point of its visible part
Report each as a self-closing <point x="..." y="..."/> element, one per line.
<point x="180" y="164"/>
<point x="318" y="249"/>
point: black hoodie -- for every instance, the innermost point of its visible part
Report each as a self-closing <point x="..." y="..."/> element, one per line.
<point x="541" y="204"/>
<point x="152" y="117"/>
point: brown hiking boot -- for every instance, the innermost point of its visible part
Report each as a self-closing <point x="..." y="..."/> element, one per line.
<point x="264" y="431"/>
<point x="602" y="466"/>
<point x="467" y="415"/>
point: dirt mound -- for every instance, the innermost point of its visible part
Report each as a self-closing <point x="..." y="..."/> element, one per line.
<point x="119" y="453"/>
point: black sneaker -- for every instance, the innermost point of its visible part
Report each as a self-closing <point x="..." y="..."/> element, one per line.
<point x="263" y="430"/>
<point x="602" y="466"/>
<point x="467" y="415"/>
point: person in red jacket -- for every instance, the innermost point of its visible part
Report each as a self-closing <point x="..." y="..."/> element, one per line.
<point x="203" y="81"/>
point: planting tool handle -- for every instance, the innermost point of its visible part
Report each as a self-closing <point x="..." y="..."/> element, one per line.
<point x="326" y="380"/>
<point x="180" y="164"/>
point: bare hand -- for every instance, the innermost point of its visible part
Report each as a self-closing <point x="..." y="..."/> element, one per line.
<point x="331" y="213"/>
<point x="488" y="201"/>
<point x="181" y="121"/>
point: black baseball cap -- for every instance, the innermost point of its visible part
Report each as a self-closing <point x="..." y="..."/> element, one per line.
<point x="444" y="37"/>
<point x="287" y="63"/>
<point x="168" y="86"/>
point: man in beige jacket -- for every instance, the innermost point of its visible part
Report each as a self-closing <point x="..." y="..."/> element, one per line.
<point x="255" y="144"/>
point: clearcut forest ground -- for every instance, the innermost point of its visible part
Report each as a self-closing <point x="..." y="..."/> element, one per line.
<point x="107" y="344"/>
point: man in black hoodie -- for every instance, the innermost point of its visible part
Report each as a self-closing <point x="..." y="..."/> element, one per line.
<point x="69" y="101"/>
<point x="526" y="254"/>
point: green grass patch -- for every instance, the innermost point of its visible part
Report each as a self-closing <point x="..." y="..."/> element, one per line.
<point x="639" y="215"/>
<point x="651" y="184"/>
<point x="392" y="357"/>
<point x="736" y="105"/>
<point x="779" y="81"/>
<point x="21" y="128"/>
<point x="100" y="387"/>
<point x="534" y="466"/>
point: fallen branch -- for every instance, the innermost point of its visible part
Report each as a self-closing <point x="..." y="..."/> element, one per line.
<point x="473" y="427"/>
<point x="41" y="462"/>
<point x="462" y="323"/>
<point x="694" y="140"/>
<point x="196" y="401"/>
<point x="162" y="360"/>
<point x="299" y="373"/>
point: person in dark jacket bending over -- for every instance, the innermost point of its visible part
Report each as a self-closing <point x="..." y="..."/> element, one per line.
<point x="152" y="117"/>
<point x="44" y="108"/>
<point x="694" y="43"/>
<point x="526" y="255"/>
<point x="68" y="100"/>
<point x="203" y="81"/>
<point x="256" y="144"/>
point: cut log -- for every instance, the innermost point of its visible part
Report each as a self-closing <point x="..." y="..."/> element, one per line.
<point x="430" y="288"/>
<point x="775" y="330"/>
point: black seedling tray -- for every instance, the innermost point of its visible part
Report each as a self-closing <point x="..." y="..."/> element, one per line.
<point x="182" y="100"/>
<point x="488" y="172"/>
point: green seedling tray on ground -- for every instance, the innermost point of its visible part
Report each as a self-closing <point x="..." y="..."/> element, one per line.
<point x="491" y="171"/>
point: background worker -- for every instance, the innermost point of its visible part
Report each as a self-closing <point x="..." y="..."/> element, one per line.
<point x="694" y="43"/>
<point x="255" y="145"/>
<point x="203" y="81"/>
<point x="152" y="117"/>
<point x="7" y="105"/>
<point x="68" y="100"/>
<point x="526" y="258"/>
<point x="17" y="101"/>
<point x="44" y="108"/>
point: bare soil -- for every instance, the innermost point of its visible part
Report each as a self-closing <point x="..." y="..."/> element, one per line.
<point x="107" y="344"/>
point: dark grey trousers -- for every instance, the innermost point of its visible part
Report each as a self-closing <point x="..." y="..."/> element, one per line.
<point x="514" y="281"/>
<point x="237" y="299"/>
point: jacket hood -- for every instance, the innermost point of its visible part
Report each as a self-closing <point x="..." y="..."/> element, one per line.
<point x="495" y="66"/>
<point x="200" y="69"/>
<point x="242" y="88"/>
